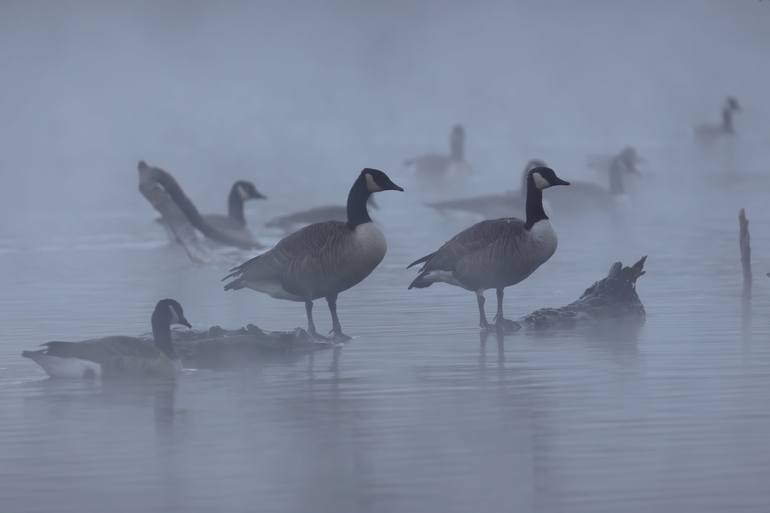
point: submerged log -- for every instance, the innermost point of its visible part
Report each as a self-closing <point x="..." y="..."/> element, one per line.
<point x="218" y="347"/>
<point x="610" y="300"/>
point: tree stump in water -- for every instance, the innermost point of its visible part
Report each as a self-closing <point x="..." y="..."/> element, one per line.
<point x="745" y="245"/>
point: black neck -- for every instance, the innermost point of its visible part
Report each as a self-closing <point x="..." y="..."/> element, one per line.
<point x="457" y="148"/>
<point x="357" y="198"/>
<point x="535" y="210"/>
<point x="161" y="334"/>
<point x="727" y="120"/>
<point x="616" y="179"/>
<point x="235" y="205"/>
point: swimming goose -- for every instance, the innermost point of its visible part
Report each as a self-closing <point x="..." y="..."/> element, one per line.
<point x="117" y="356"/>
<point x="235" y="222"/>
<point x="588" y="197"/>
<point x="292" y="222"/>
<point x="240" y="239"/>
<point x="709" y="132"/>
<point x="495" y="254"/>
<point x="432" y="167"/>
<point x="491" y="206"/>
<point x="323" y="259"/>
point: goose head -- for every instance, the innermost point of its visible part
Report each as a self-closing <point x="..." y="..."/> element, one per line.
<point x="731" y="103"/>
<point x="247" y="191"/>
<point x="631" y="159"/>
<point x="168" y="312"/>
<point x="377" y="181"/>
<point x="544" y="177"/>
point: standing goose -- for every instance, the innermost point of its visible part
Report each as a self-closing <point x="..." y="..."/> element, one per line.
<point x="497" y="253"/>
<point x="117" y="356"/>
<point x="240" y="239"/>
<point x="434" y="168"/>
<point x="708" y="132"/>
<point x="491" y="206"/>
<point x="323" y="259"/>
<point x="292" y="222"/>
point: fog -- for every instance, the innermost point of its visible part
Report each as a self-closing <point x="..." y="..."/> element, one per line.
<point x="417" y="413"/>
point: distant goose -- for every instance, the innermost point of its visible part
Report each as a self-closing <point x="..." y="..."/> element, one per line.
<point x="708" y="132"/>
<point x="239" y="238"/>
<point x="491" y="206"/>
<point x="323" y="259"/>
<point x="435" y="168"/>
<point x="497" y="253"/>
<point x="117" y="356"/>
<point x="588" y="197"/>
<point x="235" y="221"/>
<point x="292" y="222"/>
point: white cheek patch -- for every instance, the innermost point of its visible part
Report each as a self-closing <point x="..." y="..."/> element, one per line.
<point x="371" y="184"/>
<point x="540" y="182"/>
<point x="174" y="315"/>
<point x="242" y="192"/>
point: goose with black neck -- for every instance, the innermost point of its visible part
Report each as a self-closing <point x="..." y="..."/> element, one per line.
<point x="496" y="254"/>
<point x="322" y="259"/>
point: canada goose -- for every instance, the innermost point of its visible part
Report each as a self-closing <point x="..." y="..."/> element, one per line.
<point x="498" y="253"/>
<point x="708" y="132"/>
<point x="433" y="167"/>
<point x="117" y="356"/>
<point x="323" y="259"/>
<point x="291" y="222"/>
<point x="492" y="206"/>
<point x="235" y="222"/>
<point x="240" y="239"/>
<point x="588" y="197"/>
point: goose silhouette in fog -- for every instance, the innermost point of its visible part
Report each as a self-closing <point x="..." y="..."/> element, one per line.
<point x="589" y="197"/>
<point x="322" y="259"/>
<point x="118" y="356"/>
<point x="227" y="230"/>
<point x="491" y="206"/>
<point x="435" y="169"/>
<point x="709" y="132"/>
<point x="495" y="254"/>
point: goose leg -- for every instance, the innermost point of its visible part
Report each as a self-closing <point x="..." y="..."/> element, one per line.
<point x="501" y="322"/>
<point x="482" y="315"/>
<point x="336" y="326"/>
<point x="310" y="324"/>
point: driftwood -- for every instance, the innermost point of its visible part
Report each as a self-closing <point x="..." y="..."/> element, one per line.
<point x="745" y="245"/>
<point x="218" y="347"/>
<point x="610" y="300"/>
<point x="151" y="181"/>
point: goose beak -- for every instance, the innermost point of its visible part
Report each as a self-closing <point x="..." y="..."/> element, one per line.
<point x="390" y="186"/>
<point x="258" y="195"/>
<point x="559" y="181"/>
<point x="185" y="322"/>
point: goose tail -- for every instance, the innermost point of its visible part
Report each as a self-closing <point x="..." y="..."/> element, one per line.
<point x="421" y="260"/>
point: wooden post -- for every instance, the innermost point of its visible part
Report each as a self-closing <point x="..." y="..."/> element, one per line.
<point x="745" y="245"/>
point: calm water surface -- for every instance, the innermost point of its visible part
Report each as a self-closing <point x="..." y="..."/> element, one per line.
<point x="418" y="412"/>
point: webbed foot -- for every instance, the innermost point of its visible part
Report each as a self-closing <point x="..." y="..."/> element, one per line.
<point x="339" y="337"/>
<point x="504" y="325"/>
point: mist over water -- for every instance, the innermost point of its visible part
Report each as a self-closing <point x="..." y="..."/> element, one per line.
<point x="419" y="412"/>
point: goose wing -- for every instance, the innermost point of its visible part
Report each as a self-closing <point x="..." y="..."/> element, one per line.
<point x="482" y="241"/>
<point x="227" y="225"/>
<point x="306" y="263"/>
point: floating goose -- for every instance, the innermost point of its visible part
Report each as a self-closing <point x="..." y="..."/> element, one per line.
<point x="492" y="206"/>
<point x="292" y="222"/>
<point x="323" y="259"/>
<point x="240" y="238"/>
<point x="588" y="197"/>
<point x="117" y="356"/>
<point x="234" y="222"/>
<point x="708" y="132"/>
<point x="497" y="253"/>
<point x="434" y="168"/>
